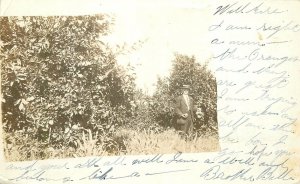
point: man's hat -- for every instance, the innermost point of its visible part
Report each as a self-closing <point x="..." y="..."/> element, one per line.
<point x="185" y="86"/>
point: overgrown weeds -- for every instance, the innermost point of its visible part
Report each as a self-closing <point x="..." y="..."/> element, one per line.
<point x="124" y="141"/>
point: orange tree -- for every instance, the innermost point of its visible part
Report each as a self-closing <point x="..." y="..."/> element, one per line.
<point x="59" y="78"/>
<point x="186" y="70"/>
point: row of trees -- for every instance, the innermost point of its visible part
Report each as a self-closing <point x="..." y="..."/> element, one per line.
<point x="58" y="79"/>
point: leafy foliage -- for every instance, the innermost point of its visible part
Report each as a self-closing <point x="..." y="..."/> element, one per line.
<point x="185" y="70"/>
<point x="64" y="94"/>
<point x="59" y="79"/>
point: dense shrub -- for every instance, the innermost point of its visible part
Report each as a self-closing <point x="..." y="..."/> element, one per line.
<point x="186" y="70"/>
<point x="59" y="79"/>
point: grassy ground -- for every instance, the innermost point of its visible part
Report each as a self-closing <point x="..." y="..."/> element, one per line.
<point x="123" y="142"/>
<point x="169" y="141"/>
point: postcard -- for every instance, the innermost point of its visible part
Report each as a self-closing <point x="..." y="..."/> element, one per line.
<point x="149" y="91"/>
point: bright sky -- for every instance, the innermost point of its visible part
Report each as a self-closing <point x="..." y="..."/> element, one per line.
<point x="163" y="30"/>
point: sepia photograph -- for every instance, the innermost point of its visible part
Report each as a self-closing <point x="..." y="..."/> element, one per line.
<point x="133" y="83"/>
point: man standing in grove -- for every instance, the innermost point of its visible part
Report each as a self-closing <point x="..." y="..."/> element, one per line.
<point x="185" y="110"/>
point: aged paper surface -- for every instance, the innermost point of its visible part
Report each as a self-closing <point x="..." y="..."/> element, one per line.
<point x="253" y="48"/>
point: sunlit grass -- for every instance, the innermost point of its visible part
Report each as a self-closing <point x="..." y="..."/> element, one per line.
<point x="124" y="142"/>
<point x="169" y="141"/>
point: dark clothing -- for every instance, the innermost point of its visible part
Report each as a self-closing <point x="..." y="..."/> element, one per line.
<point x="184" y="107"/>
